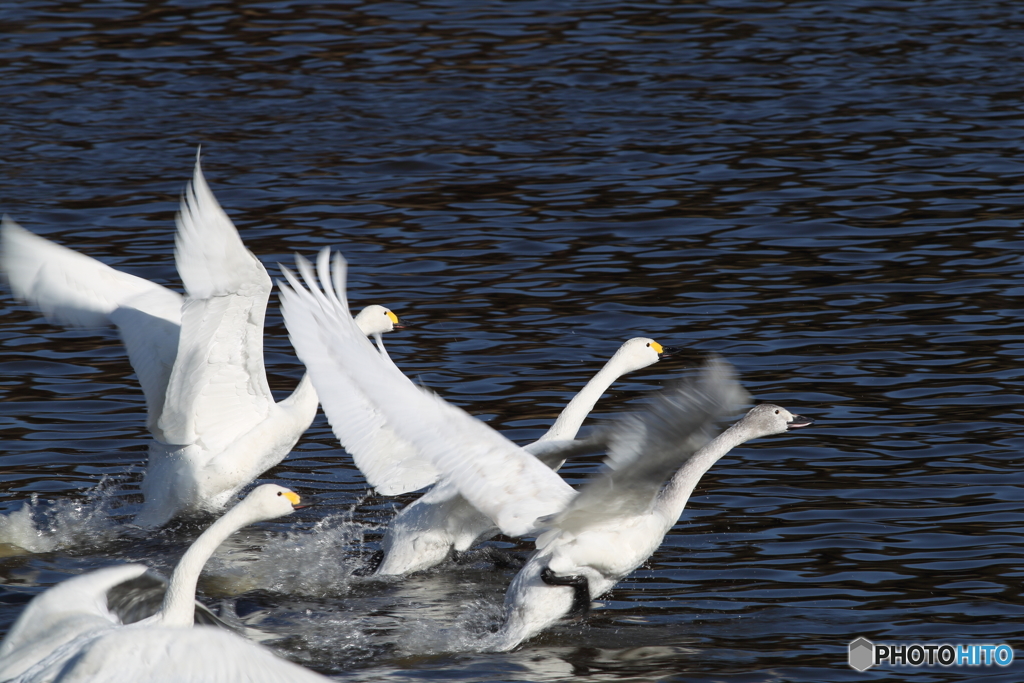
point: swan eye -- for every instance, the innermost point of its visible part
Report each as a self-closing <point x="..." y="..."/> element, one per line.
<point x="279" y="493"/>
<point x="648" y="344"/>
<point x="776" y="412"/>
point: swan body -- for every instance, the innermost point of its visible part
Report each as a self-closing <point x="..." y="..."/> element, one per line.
<point x="425" y="532"/>
<point x="199" y="358"/>
<point x="69" y="633"/>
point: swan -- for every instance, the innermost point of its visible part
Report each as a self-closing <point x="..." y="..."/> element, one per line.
<point x="442" y="521"/>
<point x="588" y="540"/>
<point x="618" y="520"/>
<point x="69" y="632"/>
<point x="199" y="358"/>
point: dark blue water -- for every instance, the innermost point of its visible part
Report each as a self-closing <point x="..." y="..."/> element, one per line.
<point x="828" y="194"/>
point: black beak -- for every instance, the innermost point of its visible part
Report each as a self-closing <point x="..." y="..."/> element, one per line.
<point x="399" y="326"/>
<point x="667" y="351"/>
<point x="303" y="506"/>
<point x="799" y="421"/>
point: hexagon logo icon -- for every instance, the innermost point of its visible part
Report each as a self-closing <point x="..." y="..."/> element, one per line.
<point x="862" y="654"/>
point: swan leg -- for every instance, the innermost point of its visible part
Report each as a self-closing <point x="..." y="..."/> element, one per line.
<point x="580" y="590"/>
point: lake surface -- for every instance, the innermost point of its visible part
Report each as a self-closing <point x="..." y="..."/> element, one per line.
<point x="827" y="194"/>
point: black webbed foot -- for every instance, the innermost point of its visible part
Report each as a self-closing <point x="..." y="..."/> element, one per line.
<point x="580" y="590"/>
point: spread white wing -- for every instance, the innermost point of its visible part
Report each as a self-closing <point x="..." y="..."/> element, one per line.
<point x="72" y="289"/>
<point x="218" y="388"/>
<point x="53" y="621"/>
<point x="201" y="654"/>
<point x="389" y="462"/>
<point x="498" y="477"/>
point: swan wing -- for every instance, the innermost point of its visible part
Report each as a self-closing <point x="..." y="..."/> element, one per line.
<point x="496" y="476"/>
<point x="647" y="446"/>
<point x="218" y="388"/>
<point x="73" y="289"/>
<point x="389" y="462"/>
<point x="69" y="611"/>
<point x="201" y="654"/>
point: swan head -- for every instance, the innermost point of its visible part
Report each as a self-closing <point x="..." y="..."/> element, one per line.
<point x="769" y="418"/>
<point x="376" y="319"/>
<point x="270" y="501"/>
<point x="639" y="352"/>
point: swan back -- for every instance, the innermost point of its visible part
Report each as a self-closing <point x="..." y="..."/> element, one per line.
<point x="69" y="611"/>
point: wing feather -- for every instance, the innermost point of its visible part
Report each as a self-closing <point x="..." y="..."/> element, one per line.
<point x="201" y="654"/>
<point x="496" y="476"/>
<point x="218" y="388"/>
<point x="73" y="289"/>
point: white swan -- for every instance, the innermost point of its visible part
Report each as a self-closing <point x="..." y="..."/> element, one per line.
<point x="199" y="359"/>
<point x="588" y="541"/>
<point x="69" y="633"/>
<point x="425" y="532"/>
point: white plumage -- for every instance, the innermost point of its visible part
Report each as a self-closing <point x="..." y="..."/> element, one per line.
<point x="199" y="359"/>
<point x="69" y="633"/>
<point x="588" y="540"/>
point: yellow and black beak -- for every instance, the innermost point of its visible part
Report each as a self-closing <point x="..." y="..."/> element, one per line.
<point x="395" y="322"/>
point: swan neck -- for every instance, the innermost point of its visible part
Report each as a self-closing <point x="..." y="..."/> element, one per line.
<point x="303" y="395"/>
<point x="179" y="601"/>
<point x="674" y="496"/>
<point x="377" y="337"/>
<point x="572" y="416"/>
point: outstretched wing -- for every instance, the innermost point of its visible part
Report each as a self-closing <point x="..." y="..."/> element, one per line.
<point x="73" y="289"/>
<point x="218" y="388"/>
<point x="69" y="611"/>
<point x="496" y="476"/>
<point x="389" y="462"/>
<point x="201" y="654"/>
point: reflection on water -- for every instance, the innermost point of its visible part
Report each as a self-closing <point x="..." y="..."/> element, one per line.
<point x="825" y="193"/>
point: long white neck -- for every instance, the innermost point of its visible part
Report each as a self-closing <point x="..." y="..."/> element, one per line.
<point x="572" y="416"/>
<point x="179" y="601"/>
<point x="379" y="338"/>
<point x="674" y="496"/>
<point x="301" y="404"/>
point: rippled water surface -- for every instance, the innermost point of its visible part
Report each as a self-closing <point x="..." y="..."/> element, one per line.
<point x="827" y="193"/>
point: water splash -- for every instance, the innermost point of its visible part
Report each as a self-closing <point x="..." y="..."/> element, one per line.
<point x="320" y="562"/>
<point x="43" y="526"/>
<point x="471" y="629"/>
